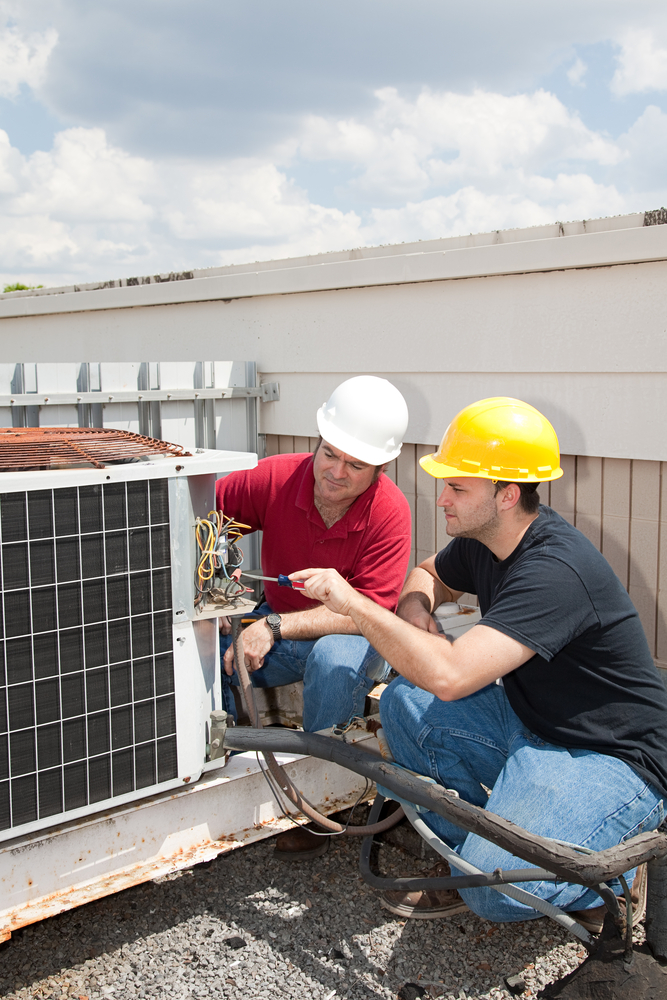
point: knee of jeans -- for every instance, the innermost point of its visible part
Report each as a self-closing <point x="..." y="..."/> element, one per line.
<point x="334" y="651"/>
<point x="484" y="855"/>
<point x="394" y="706"/>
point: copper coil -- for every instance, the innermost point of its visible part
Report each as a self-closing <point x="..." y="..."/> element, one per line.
<point x="32" y="448"/>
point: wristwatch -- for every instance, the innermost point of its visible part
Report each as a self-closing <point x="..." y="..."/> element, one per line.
<point x="273" y="621"/>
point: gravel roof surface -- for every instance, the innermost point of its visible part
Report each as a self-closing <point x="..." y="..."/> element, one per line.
<point x="246" y="925"/>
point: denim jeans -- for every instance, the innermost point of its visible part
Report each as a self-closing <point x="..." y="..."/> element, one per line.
<point x="578" y="796"/>
<point x="337" y="672"/>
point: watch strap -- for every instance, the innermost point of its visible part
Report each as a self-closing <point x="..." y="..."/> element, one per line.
<point x="273" y="621"/>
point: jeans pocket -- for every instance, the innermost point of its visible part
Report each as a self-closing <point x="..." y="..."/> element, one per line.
<point x="651" y="821"/>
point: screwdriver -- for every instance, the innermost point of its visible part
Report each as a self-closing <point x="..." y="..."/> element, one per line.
<point x="282" y="580"/>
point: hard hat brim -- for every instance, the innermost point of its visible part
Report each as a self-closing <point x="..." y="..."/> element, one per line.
<point x="439" y="470"/>
<point x="360" y="450"/>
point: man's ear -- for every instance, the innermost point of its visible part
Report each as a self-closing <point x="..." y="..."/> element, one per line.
<point x="509" y="496"/>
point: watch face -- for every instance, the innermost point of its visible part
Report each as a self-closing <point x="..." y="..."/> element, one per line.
<point x="273" y="619"/>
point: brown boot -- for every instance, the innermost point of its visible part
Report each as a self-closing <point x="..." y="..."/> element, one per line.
<point x="299" y="844"/>
<point x="425" y="904"/>
<point x="593" y="919"/>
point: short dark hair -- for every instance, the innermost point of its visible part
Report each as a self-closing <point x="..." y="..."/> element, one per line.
<point x="529" y="501"/>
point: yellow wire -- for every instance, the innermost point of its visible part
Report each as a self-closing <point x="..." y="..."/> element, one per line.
<point x="206" y="533"/>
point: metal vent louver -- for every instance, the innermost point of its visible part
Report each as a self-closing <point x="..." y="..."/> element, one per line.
<point x="32" y="448"/>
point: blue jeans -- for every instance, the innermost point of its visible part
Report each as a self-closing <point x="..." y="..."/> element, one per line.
<point x="578" y="796"/>
<point x="337" y="672"/>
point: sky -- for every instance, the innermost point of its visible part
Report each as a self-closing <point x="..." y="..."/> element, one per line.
<point x="152" y="136"/>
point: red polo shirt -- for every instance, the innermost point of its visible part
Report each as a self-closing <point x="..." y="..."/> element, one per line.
<point x="369" y="546"/>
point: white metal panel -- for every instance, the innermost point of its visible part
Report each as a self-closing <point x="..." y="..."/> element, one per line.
<point x="598" y="320"/>
<point x="59" y="416"/>
<point x="177" y="374"/>
<point x="57" y="376"/>
<point x="178" y="423"/>
<point x="6" y="376"/>
<point x="204" y="462"/>
<point x="118" y="375"/>
<point x="122" y="416"/>
<point x="229" y="373"/>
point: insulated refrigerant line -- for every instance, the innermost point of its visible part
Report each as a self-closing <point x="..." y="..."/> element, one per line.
<point x="280" y="775"/>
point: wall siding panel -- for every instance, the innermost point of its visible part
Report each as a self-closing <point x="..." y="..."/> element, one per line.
<point x="589" y="498"/>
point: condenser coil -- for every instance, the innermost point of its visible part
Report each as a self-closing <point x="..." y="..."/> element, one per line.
<point x="107" y="680"/>
<point x="29" y="448"/>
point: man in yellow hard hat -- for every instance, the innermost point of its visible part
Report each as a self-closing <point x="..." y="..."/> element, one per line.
<point x="552" y="701"/>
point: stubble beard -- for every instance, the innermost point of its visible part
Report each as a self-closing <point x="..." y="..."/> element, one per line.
<point x="482" y="524"/>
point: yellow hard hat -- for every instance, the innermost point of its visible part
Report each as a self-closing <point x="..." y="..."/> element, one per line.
<point x="497" y="438"/>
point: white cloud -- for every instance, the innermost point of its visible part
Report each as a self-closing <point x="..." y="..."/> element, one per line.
<point x="536" y="201"/>
<point x="23" y="58"/>
<point x="645" y="145"/>
<point x="83" y="178"/>
<point x="437" y="165"/>
<point x="577" y="72"/>
<point x="642" y="63"/>
<point x="445" y="139"/>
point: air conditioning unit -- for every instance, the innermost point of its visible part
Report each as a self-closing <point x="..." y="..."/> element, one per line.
<point x="108" y="673"/>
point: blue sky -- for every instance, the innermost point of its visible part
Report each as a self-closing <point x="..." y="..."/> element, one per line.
<point x="152" y="135"/>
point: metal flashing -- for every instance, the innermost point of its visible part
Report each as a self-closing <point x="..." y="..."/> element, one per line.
<point x="637" y="244"/>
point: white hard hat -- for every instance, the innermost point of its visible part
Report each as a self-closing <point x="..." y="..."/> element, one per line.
<point x="365" y="417"/>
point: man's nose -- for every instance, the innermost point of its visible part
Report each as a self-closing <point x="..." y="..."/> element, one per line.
<point x="338" y="470"/>
<point x="443" y="499"/>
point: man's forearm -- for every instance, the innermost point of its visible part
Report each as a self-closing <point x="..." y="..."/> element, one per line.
<point x="417" y="655"/>
<point x="314" y="623"/>
<point x="423" y="588"/>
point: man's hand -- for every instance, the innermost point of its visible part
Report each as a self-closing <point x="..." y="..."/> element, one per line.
<point x="413" y="609"/>
<point x="328" y="587"/>
<point x="224" y="625"/>
<point x="257" y="641"/>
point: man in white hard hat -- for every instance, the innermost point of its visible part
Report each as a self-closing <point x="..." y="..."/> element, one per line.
<point x="572" y="736"/>
<point x="334" y="508"/>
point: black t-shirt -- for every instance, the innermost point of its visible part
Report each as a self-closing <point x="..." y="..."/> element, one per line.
<point x="592" y="683"/>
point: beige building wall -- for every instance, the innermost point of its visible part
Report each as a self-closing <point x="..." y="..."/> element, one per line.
<point x="619" y="504"/>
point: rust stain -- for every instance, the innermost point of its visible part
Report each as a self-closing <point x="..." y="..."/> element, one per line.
<point x="58" y="902"/>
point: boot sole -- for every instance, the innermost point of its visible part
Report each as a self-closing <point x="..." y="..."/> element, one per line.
<point x="315" y="852"/>
<point x="423" y="913"/>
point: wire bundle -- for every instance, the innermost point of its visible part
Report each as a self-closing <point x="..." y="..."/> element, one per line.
<point x="219" y="554"/>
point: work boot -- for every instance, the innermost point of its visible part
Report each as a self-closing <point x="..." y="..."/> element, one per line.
<point x="593" y="919"/>
<point x="299" y="844"/>
<point x="425" y="904"/>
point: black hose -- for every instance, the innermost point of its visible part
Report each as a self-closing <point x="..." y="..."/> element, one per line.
<point x="415" y="884"/>
<point x="584" y="869"/>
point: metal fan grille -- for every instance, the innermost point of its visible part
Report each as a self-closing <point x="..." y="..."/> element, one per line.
<point x="31" y="448"/>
